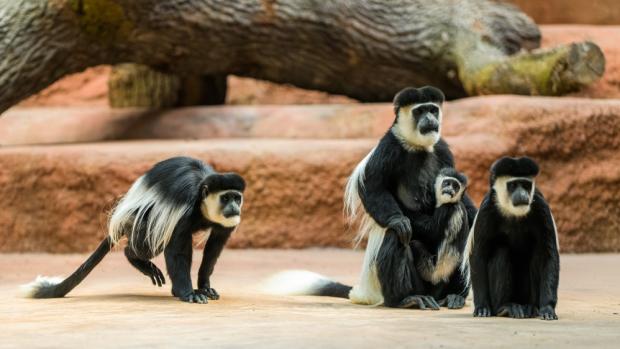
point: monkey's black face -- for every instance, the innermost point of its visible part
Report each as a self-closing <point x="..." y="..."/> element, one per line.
<point x="426" y="117"/>
<point x="230" y="203"/>
<point x="519" y="191"/>
<point x="450" y="188"/>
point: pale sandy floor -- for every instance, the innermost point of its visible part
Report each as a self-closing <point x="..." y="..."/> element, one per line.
<point x="118" y="307"/>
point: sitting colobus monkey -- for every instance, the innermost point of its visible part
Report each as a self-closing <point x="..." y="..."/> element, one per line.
<point x="514" y="261"/>
<point x="438" y="249"/>
<point x="388" y="191"/>
<point x="161" y="211"/>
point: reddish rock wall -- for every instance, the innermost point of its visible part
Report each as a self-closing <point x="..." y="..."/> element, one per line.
<point x="571" y="11"/>
<point x="55" y="198"/>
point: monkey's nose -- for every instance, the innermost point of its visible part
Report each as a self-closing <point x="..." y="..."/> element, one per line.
<point x="520" y="198"/>
<point x="428" y="124"/>
<point x="448" y="191"/>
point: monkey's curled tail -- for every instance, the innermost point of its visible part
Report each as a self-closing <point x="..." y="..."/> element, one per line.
<point x="304" y="283"/>
<point x="46" y="287"/>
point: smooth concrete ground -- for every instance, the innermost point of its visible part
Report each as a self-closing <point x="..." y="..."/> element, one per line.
<point x="118" y="307"/>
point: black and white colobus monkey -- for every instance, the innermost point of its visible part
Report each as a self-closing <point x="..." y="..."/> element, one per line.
<point x="388" y="191"/>
<point x="161" y="211"/>
<point x="514" y="261"/>
<point x="438" y="250"/>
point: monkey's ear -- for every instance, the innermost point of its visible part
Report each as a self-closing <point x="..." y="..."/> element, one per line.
<point x="205" y="191"/>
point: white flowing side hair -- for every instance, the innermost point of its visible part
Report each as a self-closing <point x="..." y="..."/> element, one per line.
<point x="144" y="206"/>
<point x="368" y="291"/>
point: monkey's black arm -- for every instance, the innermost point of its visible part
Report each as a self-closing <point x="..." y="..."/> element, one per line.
<point x="478" y="259"/>
<point x="212" y="250"/>
<point x="550" y="269"/>
<point x="423" y="226"/>
<point x="376" y="198"/>
<point x="470" y="207"/>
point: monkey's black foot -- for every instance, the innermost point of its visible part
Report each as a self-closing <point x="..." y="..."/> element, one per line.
<point x="547" y="313"/>
<point x="512" y="310"/>
<point x="195" y="298"/>
<point x="453" y="301"/>
<point x="530" y="311"/>
<point x="152" y="271"/>
<point x="211" y="293"/>
<point x="420" y="302"/>
<point x="482" y="312"/>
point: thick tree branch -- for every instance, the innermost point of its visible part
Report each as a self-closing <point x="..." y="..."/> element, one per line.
<point x="365" y="49"/>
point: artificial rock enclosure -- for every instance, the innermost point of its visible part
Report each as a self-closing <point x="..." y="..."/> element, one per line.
<point x="55" y="197"/>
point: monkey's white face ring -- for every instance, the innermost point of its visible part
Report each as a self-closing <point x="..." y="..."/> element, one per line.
<point x="503" y="200"/>
<point x="409" y="134"/>
<point x="211" y="208"/>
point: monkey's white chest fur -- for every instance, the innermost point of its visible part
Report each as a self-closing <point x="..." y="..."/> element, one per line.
<point x="448" y="256"/>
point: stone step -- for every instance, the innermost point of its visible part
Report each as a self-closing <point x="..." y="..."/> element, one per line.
<point x="55" y="197"/>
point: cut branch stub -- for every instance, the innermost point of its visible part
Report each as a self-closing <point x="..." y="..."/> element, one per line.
<point x="549" y="72"/>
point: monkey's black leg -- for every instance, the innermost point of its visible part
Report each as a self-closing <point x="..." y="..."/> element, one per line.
<point x="178" y="256"/>
<point x="548" y="274"/>
<point x="479" y="271"/>
<point x="501" y="285"/>
<point x="400" y="283"/>
<point x="213" y="248"/>
<point x="145" y="267"/>
<point x="452" y="295"/>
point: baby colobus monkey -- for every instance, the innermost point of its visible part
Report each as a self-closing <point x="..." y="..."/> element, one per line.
<point x="175" y="199"/>
<point x="514" y="261"/>
<point x="438" y="246"/>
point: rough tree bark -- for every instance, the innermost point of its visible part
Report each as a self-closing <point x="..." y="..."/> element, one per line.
<point x="365" y="49"/>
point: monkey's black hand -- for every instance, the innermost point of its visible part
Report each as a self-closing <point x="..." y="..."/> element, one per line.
<point x="420" y="302"/>
<point x="547" y="313"/>
<point x="402" y="227"/>
<point x="453" y="301"/>
<point x="482" y="311"/>
<point x="211" y="293"/>
<point x="512" y="310"/>
<point x="157" y="277"/>
<point x="195" y="297"/>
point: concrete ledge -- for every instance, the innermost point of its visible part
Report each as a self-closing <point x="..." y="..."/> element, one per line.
<point x="55" y="198"/>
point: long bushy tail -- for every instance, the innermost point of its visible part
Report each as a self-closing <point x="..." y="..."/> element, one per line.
<point x="304" y="283"/>
<point x="46" y="287"/>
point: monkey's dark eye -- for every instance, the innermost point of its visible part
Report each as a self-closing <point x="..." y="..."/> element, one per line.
<point x="511" y="186"/>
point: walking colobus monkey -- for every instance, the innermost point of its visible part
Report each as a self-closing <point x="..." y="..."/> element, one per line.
<point x="161" y="211"/>
<point x="387" y="192"/>
<point x="514" y="261"/>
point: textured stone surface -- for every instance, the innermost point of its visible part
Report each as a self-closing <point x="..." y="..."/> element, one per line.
<point x="571" y="11"/>
<point x="55" y="198"/>
<point x="118" y="307"/>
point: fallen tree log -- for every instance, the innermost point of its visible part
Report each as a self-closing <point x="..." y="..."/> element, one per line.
<point x="366" y="49"/>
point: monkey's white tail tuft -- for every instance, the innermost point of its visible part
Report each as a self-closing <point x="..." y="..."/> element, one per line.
<point x="30" y="290"/>
<point x="294" y="283"/>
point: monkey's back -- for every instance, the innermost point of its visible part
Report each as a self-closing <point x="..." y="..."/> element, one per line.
<point x="156" y="203"/>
